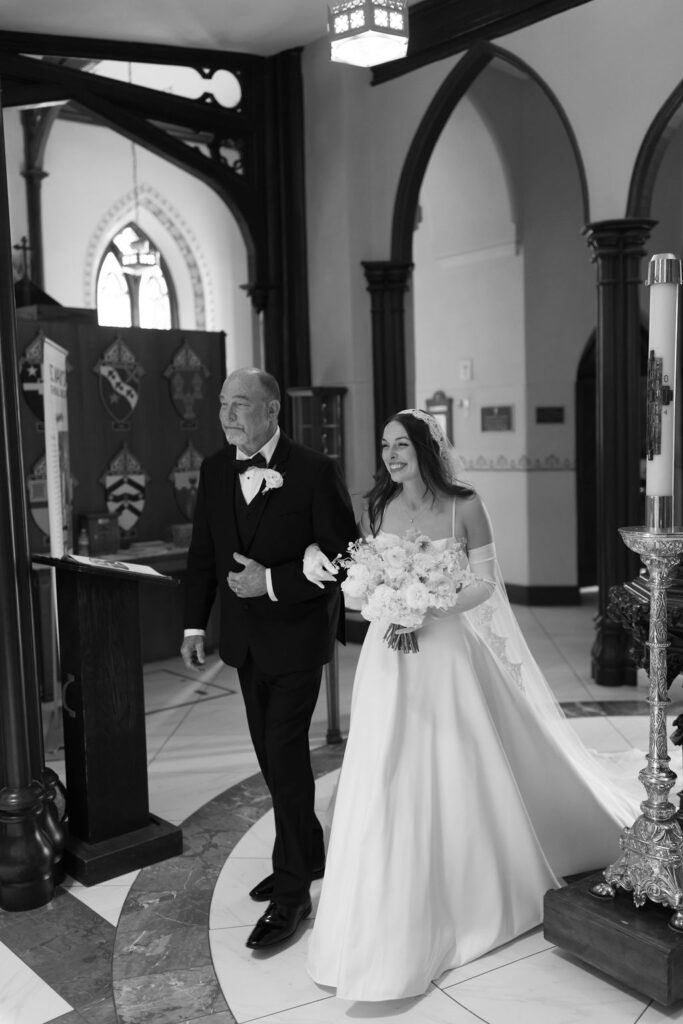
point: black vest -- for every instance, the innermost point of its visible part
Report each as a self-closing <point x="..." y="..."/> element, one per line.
<point x="247" y="516"/>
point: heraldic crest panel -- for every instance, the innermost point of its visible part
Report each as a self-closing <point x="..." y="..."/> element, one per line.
<point x="143" y="413"/>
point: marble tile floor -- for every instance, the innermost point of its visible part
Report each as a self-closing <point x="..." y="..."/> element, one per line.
<point x="165" y="945"/>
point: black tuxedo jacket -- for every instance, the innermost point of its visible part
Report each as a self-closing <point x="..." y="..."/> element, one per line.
<point x="298" y="630"/>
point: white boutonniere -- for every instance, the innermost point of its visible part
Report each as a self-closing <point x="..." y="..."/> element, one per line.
<point x="272" y="479"/>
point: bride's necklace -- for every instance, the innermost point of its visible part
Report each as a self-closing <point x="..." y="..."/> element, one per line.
<point x="417" y="512"/>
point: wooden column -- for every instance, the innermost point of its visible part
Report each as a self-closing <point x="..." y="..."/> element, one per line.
<point x="283" y="297"/>
<point x="36" y="124"/>
<point x="387" y="284"/>
<point x="618" y="247"/>
<point x="30" y="834"/>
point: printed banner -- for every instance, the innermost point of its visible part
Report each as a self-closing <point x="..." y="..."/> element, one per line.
<point x="57" y="468"/>
<point x="31" y="375"/>
<point x="37" y="495"/>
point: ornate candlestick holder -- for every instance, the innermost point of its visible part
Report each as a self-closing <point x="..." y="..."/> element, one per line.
<point x="651" y="863"/>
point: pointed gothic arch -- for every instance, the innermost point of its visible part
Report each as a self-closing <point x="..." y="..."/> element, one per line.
<point x="426" y="137"/>
<point x="666" y="122"/>
<point x="174" y="224"/>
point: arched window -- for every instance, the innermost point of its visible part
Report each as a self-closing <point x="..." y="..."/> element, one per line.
<point x="133" y="285"/>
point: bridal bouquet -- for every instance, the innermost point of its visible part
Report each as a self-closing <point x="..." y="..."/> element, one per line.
<point x="399" y="579"/>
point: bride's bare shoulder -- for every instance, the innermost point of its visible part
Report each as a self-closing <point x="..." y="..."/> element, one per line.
<point x="473" y="520"/>
<point x="468" y="504"/>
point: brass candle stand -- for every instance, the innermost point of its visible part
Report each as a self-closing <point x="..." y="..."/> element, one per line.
<point x="651" y="863"/>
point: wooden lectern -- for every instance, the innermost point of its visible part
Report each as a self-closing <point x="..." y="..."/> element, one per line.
<point x="110" y="828"/>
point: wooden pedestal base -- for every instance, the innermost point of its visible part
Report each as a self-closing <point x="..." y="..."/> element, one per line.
<point x="634" y="946"/>
<point x="91" y="863"/>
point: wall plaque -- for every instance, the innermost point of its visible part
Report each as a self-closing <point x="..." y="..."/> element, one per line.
<point x="496" y="417"/>
<point x="550" y="414"/>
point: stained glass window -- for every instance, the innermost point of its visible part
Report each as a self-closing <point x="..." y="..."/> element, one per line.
<point x="133" y="285"/>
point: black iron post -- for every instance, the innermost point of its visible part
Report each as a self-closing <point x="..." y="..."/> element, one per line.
<point x="31" y="836"/>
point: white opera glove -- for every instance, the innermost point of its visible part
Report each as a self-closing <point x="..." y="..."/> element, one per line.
<point x="317" y="567"/>
<point x="483" y="564"/>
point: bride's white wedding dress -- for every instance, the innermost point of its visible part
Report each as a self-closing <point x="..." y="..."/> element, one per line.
<point x="463" y="797"/>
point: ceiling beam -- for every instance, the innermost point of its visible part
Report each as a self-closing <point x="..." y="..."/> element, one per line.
<point x="79" y="85"/>
<point x="143" y="53"/>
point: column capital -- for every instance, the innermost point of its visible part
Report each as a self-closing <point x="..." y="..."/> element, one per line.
<point x="386" y="274"/>
<point x="258" y="293"/>
<point x="608" y="237"/>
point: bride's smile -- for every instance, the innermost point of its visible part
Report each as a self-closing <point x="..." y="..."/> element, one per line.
<point x="398" y="453"/>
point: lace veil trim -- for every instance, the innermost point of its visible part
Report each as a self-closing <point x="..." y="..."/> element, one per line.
<point x="612" y="778"/>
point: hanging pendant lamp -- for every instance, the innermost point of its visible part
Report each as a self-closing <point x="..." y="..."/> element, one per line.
<point x="141" y="256"/>
<point x="368" y="32"/>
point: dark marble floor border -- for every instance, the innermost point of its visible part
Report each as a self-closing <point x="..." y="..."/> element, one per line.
<point x="156" y="966"/>
<point x="161" y="966"/>
<point x="69" y="947"/>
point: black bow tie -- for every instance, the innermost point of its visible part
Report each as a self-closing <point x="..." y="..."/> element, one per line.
<point x="255" y="462"/>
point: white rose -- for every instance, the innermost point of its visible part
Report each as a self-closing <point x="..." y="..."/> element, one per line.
<point x="357" y="581"/>
<point x="416" y="597"/>
<point x="272" y="479"/>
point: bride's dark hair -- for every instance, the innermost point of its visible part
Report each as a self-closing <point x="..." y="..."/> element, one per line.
<point x="430" y="465"/>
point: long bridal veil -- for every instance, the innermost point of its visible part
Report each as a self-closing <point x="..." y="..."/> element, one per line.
<point x="612" y="777"/>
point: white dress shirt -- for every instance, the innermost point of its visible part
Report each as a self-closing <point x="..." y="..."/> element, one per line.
<point x="251" y="480"/>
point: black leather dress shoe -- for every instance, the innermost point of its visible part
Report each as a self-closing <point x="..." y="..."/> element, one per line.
<point x="277" y="924"/>
<point x="264" y="890"/>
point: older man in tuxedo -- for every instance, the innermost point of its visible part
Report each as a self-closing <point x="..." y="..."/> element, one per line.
<point x="261" y="501"/>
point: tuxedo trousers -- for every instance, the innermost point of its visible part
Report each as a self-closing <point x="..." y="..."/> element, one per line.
<point x="279" y="711"/>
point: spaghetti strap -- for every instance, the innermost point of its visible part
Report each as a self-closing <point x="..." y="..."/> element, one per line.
<point x="453" y="519"/>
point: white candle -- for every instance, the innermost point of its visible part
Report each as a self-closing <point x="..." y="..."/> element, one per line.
<point x="664" y="280"/>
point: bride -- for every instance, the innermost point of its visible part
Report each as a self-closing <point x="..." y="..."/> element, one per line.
<point x="464" y="793"/>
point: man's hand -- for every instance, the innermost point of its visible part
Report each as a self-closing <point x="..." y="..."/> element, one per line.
<point x="192" y="651"/>
<point x="318" y="568"/>
<point x="251" y="581"/>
